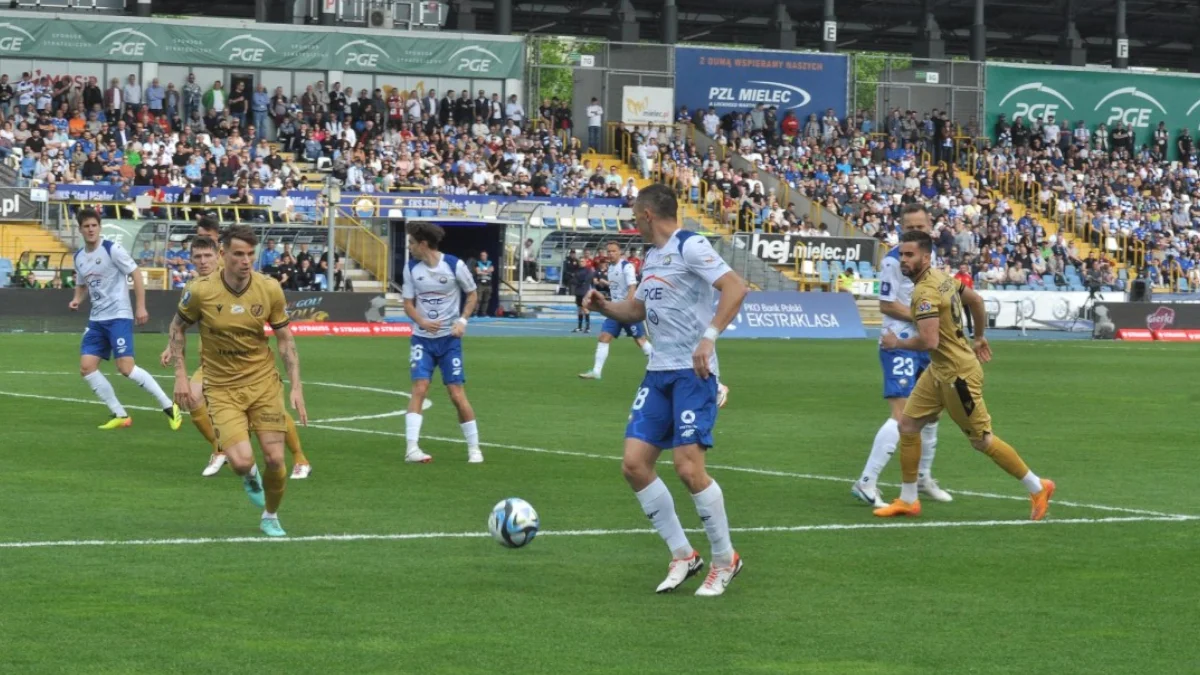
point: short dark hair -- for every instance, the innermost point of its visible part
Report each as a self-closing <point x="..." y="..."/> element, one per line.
<point x="240" y="233"/>
<point x="921" y="239"/>
<point x="613" y="242"/>
<point x="209" y="223"/>
<point x="427" y="233"/>
<point x="202" y="243"/>
<point x="659" y="200"/>
<point x="914" y="207"/>
<point x="87" y="214"/>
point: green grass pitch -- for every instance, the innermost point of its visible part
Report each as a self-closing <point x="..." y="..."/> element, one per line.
<point x="1107" y="585"/>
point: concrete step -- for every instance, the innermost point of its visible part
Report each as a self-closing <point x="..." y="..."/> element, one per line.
<point x="368" y="286"/>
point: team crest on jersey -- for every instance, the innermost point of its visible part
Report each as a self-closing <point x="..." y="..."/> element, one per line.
<point x="237" y="309"/>
<point x="256" y="310"/>
<point x="667" y="259"/>
<point x="187" y="297"/>
<point x="219" y="308"/>
<point x="924" y="306"/>
<point x="442" y="280"/>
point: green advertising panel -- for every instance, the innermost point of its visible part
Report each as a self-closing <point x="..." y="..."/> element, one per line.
<point x="261" y="46"/>
<point x="1139" y="100"/>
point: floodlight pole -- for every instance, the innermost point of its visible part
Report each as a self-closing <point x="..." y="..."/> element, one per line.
<point x="333" y="195"/>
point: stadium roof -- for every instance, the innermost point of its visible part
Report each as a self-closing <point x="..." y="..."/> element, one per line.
<point x="1161" y="32"/>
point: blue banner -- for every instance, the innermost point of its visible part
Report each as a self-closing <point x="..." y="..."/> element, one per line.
<point x="791" y="314"/>
<point x="736" y="79"/>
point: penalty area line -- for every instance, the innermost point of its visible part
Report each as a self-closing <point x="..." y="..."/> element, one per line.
<point x="781" y="529"/>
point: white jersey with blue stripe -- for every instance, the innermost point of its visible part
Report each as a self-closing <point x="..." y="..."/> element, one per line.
<point x="621" y="279"/>
<point x="895" y="287"/>
<point x="437" y="291"/>
<point x="677" y="289"/>
<point x="105" y="271"/>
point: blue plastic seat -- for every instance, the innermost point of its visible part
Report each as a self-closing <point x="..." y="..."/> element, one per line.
<point x="412" y="213"/>
<point x="428" y="213"/>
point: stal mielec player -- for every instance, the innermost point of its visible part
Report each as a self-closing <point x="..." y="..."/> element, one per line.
<point x="954" y="380"/>
<point x="242" y="388"/>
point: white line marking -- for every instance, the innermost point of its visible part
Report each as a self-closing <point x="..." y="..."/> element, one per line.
<point x="761" y="472"/>
<point x="357" y="418"/>
<point x="588" y="455"/>
<point x="777" y="529"/>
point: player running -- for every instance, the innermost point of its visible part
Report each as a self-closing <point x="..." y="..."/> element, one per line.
<point x="206" y="260"/>
<point x="101" y="269"/>
<point x="676" y="405"/>
<point x="901" y="369"/>
<point x="432" y="291"/>
<point x="241" y="385"/>
<point x="954" y="380"/>
<point x="622" y="278"/>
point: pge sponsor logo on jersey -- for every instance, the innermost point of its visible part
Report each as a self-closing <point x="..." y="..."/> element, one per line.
<point x="474" y="59"/>
<point x="361" y="54"/>
<point x="126" y="42"/>
<point x="246" y="48"/>
<point x="1034" y="100"/>
<point x="13" y="38"/>
<point x="1132" y="113"/>
<point x="783" y="96"/>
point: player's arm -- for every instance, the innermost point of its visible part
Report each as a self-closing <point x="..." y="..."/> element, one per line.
<point x="466" y="283"/>
<point x="926" y="309"/>
<point x="128" y="266"/>
<point x="978" y="309"/>
<point x="80" y="292"/>
<point x="177" y="345"/>
<point x="278" y="319"/>
<point x="889" y="289"/>
<point x="701" y="259"/>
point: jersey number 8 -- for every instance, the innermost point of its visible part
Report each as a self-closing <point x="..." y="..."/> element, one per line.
<point x="640" y="399"/>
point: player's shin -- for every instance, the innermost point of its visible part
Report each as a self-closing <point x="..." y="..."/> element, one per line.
<point x="1007" y="458"/>
<point x="910" y="461"/>
<point x="292" y="439"/>
<point x="274" y="482"/>
<point x="601" y="357"/>
<point x="203" y="422"/>
<point x="105" y="392"/>
<point x="659" y="507"/>
<point x="928" y="450"/>
<point x="710" y="504"/>
<point x="412" y="430"/>
<point x="146" y="381"/>
<point x="882" y="450"/>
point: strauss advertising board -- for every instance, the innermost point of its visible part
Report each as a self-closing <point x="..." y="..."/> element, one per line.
<point x="1138" y="100"/>
<point x="738" y="79"/>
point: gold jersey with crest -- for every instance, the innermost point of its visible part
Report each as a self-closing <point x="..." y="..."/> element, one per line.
<point x="938" y="295"/>
<point x="234" y="347"/>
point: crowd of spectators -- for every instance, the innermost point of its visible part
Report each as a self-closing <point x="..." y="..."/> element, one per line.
<point x="1133" y="197"/>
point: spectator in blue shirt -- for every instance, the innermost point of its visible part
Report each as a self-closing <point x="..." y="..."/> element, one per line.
<point x="260" y="102"/>
<point x="155" y="95"/>
<point x="268" y="256"/>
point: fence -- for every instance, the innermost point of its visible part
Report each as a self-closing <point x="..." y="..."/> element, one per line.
<point x="883" y="82"/>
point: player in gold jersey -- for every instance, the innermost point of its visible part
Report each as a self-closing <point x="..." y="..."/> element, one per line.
<point x="954" y="380"/>
<point x="206" y="260"/>
<point x="242" y="388"/>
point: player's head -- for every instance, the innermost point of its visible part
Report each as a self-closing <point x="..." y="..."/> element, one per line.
<point x="423" y="238"/>
<point x="916" y="250"/>
<point x="915" y="217"/>
<point x="239" y="242"/>
<point x="204" y="255"/>
<point x="655" y="204"/>
<point x="208" y="226"/>
<point x="89" y="225"/>
<point x="613" y="249"/>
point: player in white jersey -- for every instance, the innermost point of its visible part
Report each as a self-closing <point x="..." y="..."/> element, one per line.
<point x="676" y="404"/>
<point x="901" y="369"/>
<point x="622" y="279"/>
<point x="433" y="286"/>
<point x="101" y="269"/>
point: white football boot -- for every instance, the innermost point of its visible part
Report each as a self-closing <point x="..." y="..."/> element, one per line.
<point x="417" y="457"/>
<point x="474" y="456"/>
<point x="301" y="471"/>
<point x="214" y="465"/>
<point x="719" y="577"/>
<point x="929" y="487"/>
<point x="679" y="571"/>
<point x="868" y="495"/>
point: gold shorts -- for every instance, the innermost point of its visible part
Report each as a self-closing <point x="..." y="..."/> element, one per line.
<point x="961" y="396"/>
<point x="234" y="411"/>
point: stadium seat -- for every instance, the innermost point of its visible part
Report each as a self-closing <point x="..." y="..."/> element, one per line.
<point x="823" y="267"/>
<point x="428" y="213"/>
<point x="6" y="269"/>
<point x="1182" y="285"/>
<point x="580" y="216"/>
<point x="412" y="213"/>
<point x="550" y="217"/>
<point x="864" y="267"/>
<point x="1025" y="287"/>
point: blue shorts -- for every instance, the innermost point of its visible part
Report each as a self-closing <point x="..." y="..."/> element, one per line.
<point x="674" y="408"/>
<point x="633" y="330"/>
<point x="112" y="338"/>
<point x="901" y="369"/>
<point x="445" y="352"/>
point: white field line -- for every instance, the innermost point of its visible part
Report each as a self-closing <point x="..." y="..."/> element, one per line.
<point x="783" y="529"/>
<point x="358" y="418"/>
<point x="324" y="424"/>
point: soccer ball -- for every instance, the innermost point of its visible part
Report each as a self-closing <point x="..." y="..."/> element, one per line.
<point x="513" y="522"/>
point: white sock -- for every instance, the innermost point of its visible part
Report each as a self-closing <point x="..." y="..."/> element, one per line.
<point x="601" y="357"/>
<point x="147" y="382"/>
<point x="886" y="440"/>
<point x="928" y="450"/>
<point x="908" y="492"/>
<point x="647" y="349"/>
<point x="659" y="507"/>
<point x="102" y="388"/>
<point x="1032" y="483"/>
<point x="710" y="504"/>
<point x="268" y="514"/>
<point x="471" y="433"/>
<point x="253" y="472"/>
<point x="412" y="430"/>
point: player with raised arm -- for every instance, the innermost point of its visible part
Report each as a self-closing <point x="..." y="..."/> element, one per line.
<point x="901" y="369"/>
<point x="622" y="280"/>
<point x="953" y="381"/>
<point x="433" y="289"/>
<point x="206" y="260"/>
<point x="676" y="404"/>
<point x="241" y="385"/>
<point x="101" y="269"/>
